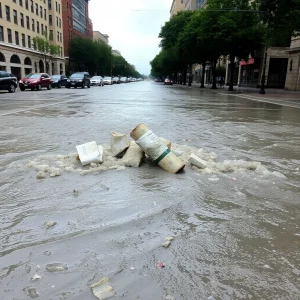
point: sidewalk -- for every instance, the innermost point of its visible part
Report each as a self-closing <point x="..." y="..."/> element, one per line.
<point x="271" y="94"/>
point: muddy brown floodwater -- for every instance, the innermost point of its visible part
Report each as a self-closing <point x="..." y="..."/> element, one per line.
<point x="235" y="226"/>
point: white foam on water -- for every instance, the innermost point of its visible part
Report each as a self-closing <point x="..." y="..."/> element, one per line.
<point x="51" y="165"/>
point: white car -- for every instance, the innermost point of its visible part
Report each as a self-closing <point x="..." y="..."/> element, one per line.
<point x="124" y="79"/>
<point x="108" y="80"/>
<point x="97" y="80"/>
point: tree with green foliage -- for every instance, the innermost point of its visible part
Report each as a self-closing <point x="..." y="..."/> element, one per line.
<point x="228" y="29"/>
<point x="46" y="49"/>
<point x="282" y="19"/>
<point x="169" y="35"/>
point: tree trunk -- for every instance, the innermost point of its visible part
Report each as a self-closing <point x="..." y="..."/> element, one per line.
<point x="203" y="76"/>
<point x="232" y="69"/>
<point x="213" y="69"/>
<point x="190" y="75"/>
<point x="184" y="77"/>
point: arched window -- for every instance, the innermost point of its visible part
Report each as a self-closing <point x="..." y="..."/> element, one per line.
<point x="27" y="61"/>
<point x="15" y="59"/>
<point x="2" y="58"/>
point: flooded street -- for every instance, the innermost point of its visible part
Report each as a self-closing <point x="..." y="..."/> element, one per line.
<point x="236" y="228"/>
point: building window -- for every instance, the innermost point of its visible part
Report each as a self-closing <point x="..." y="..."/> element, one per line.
<point x="59" y="8"/>
<point x="7" y="11"/>
<point x="56" y="6"/>
<point x="0" y="10"/>
<point x="22" y="19"/>
<point x="1" y="34"/>
<point x="37" y="27"/>
<point x="51" y="35"/>
<point x="42" y="28"/>
<point x="50" y="20"/>
<point x="23" y="40"/>
<point x="26" y="4"/>
<point x="50" y="4"/>
<point x="9" y="35"/>
<point x="17" y="37"/>
<point x="58" y="36"/>
<point x="14" y="1"/>
<point x="59" y="23"/>
<point x="27" y="22"/>
<point x="29" y="41"/>
<point x="32" y="25"/>
<point x="37" y="9"/>
<point x="45" y="14"/>
<point x="31" y="5"/>
<point x="15" y="16"/>
<point x="21" y="2"/>
<point x="46" y="30"/>
<point x="41" y="12"/>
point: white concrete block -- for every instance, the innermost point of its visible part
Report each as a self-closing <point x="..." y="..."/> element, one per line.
<point x="90" y="153"/>
<point x="197" y="161"/>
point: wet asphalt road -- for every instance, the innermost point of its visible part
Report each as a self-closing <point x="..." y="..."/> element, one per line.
<point x="237" y="233"/>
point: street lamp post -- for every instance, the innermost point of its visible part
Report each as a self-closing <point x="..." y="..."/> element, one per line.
<point x="263" y="77"/>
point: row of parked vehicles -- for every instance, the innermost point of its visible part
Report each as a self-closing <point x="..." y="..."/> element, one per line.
<point x="37" y="81"/>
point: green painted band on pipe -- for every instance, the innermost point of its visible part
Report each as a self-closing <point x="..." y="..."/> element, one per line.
<point x="162" y="156"/>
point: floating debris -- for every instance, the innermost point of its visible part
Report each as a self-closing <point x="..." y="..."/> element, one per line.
<point x="36" y="277"/>
<point x="102" y="289"/>
<point x="56" y="267"/>
<point x="166" y="244"/>
<point x="50" y="224"/>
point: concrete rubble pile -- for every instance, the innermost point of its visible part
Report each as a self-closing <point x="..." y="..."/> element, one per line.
<point x="132" y="153"/>
<point x="123" y="152"/>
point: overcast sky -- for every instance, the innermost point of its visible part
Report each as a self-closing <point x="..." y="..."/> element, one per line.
<point x="133" y="27"/>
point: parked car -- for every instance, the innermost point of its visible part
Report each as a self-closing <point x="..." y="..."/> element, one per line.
<point x="116" y="80"/>
<point x="35" y="81"/>
<point x="124" y="80"/>
<point x="168" y="81"/>
<point x="8" y="82"/>
<point x="133" y="79"/>
<point x="108" y="80"/>
<point x="97" y="80"/>
<point x="58" y="81"/>
<point x="129" y="79"/>
<point x="81" y="79"/>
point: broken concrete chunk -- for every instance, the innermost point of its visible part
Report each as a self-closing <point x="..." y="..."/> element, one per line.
<point x="102" y="289"/>
<point x="166" y="244"/>
<point x="119" y="143"/>
<point x="169" y="297"/>
<point x="54" y="172"/>
<point x="90" y="153"/>
<point x="56" y="267"/>
<point x="167" y="142"/>
<point x="50" y="224"/>
<point x="197" y="161"/>
<point x="41" y="175"/>
<point x="169" y="238"/>
<point x="134" y="156"/>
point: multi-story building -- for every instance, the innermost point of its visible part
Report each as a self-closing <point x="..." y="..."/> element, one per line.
<point x="76" y="21"/>
<point x="20" y="22"/>
<point x="177" y="5"/>
<point x="293" y="67"/>
<point x="97" y="35"/>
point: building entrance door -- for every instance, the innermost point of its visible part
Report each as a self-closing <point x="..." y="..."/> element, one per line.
<point x="16" y="71"/>
<point x="277" y="72"/>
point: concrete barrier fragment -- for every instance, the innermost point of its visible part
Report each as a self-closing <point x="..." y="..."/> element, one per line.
<point x="134" y="156"/>
<point x="197" y="161"/>
<point x="119" y="143"/>
<point x="102" y="289"/>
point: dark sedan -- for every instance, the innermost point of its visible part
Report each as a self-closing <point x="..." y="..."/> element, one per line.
<point x="58" y="81"/>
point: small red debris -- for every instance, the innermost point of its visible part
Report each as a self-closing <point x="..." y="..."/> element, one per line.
<point x="161" y="265"/>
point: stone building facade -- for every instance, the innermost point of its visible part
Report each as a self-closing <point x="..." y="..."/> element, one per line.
<point x="20" y="22"/>
<point x="293" y="67"/>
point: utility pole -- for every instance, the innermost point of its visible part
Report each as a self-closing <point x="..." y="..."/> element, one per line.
<point x="263" y="77"/>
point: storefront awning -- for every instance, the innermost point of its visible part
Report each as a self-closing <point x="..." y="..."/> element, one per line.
<point x="249" y="62"/>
